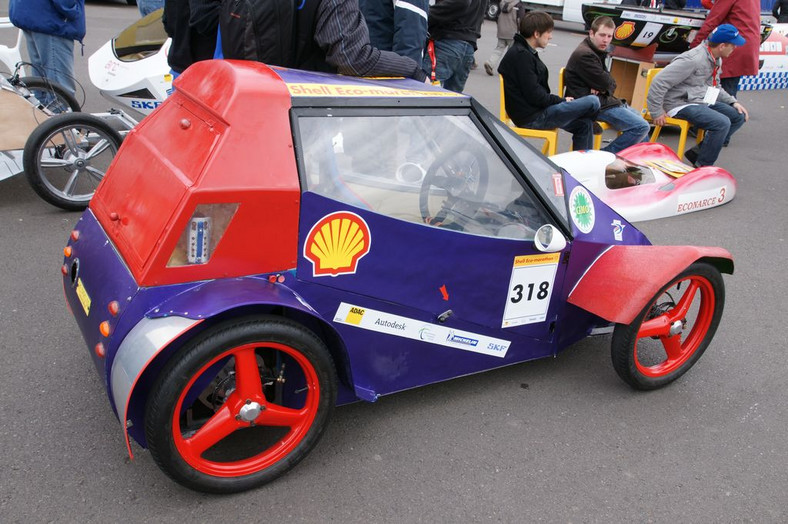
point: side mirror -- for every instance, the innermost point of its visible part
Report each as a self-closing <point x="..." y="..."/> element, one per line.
<point x="549" y="239"/>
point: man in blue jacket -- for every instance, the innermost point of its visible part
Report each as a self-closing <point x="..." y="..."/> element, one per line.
<point x="50" y="28"/>
<point x="399" y="26"/>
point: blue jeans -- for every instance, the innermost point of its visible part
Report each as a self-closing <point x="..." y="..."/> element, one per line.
<point x="576" y="117"/>
<point x="453" y="60"/>
<point x="53" y="58"/>
<point x="719" y="121"/>
<point x="634" y="129"/>
<point x="146" y="7"/>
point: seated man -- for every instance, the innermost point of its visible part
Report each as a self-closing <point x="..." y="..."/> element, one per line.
<point x="528" y="99"/>
<point x="688" y="88"/>
<point x="586" y="74"/>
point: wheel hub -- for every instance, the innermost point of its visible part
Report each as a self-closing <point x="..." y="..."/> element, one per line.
<point x="250" y="411"/>
<point x="676" y="327"/>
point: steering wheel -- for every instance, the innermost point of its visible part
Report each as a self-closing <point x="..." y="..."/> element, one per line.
<point x="461" y="171"/>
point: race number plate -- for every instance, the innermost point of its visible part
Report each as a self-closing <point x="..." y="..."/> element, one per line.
<point x="530" y="289"/>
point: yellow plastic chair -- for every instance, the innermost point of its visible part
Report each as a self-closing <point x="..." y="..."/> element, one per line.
<point x="682" y="124"/>
<point x="550" y="136"/>
<point x="603" y="125"/>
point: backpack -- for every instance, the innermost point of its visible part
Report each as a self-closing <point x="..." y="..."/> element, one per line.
<point x="260" y="30"/>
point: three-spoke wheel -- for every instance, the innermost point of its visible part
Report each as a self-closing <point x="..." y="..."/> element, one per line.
<point x="241" y="405"/>
<point x="673" y="330"/>
<point x="66" y="157"/>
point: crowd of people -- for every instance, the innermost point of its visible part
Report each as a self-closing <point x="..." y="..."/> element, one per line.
<point x="436" y="43"/>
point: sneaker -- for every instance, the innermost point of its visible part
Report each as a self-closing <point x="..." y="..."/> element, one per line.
<point x="488" y="68"/>
<point x="474" y="65"/>
<point x="692" y="156"/>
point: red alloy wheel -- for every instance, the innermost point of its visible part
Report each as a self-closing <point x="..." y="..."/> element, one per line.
<point x="238" y="413"/>
<point x="679" y="346"/>
<point x="672" y="332"/>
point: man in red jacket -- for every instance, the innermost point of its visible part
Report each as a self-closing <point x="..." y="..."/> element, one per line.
<point x="745" y="15"/>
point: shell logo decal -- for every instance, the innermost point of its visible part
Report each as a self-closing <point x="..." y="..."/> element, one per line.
<point x="336" y="243"/>
<point x="624" y="31"/>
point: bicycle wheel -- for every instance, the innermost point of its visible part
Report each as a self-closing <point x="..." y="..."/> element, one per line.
<point x="65" y="158"/>
<point x="53" y="96"/>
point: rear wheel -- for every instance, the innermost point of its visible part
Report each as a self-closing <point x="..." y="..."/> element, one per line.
<point x="673" y="330"/>
<point x="53" y="96"/>
<point x="66" y="157"/>
<point x="241" y="405"/>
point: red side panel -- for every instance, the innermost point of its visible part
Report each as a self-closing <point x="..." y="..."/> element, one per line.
<point x="619" y="283"/>
<point x="222" y="137"/>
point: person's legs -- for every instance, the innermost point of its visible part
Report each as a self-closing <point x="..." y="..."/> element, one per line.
<point x="633" y="127"/>
<point x="453" y="63"/>
<point x="148" y="6"/>
<point x="52" y="57"/>
<point x="736" y="118"/>
<point x="575" y="116"/>
<point x="730" y="85"/>
<point x="716" y="126"/>
<point x="495" y="57"/>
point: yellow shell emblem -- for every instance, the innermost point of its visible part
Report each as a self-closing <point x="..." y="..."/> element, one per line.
<point x="624" y="31"/>
<point x="336" y="243"/>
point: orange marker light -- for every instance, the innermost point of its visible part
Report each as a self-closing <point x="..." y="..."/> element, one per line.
<point x="104" y="328"/>
<point x="113" y="308"/>
<point x="100" y="351"/>
<point x="67" y="251"/>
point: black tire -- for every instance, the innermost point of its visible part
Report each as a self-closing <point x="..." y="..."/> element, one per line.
<point x="63" y="101"/>
<point x="131" y="2"/>
<point x="66" y="157"/>
<point x="493" y="10"/>
<point x="282" y="415"/>
<point x="673" y="330"/>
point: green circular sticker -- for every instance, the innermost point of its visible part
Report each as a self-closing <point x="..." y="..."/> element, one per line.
<point x="581" y="207"/>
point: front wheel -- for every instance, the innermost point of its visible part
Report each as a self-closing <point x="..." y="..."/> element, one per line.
<point x="241" y="405"/>
<point x="673" y="330"/>
<point x="53" y="97"/>
<point x="66" y="157"/>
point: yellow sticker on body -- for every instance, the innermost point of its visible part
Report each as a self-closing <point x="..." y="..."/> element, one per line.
<point x="83" y="296"/>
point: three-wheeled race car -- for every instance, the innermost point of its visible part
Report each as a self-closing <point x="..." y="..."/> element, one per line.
<point x="270" y="243"/>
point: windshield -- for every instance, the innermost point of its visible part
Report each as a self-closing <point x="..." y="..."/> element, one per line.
<point x="142" y="38"/>
<point x="438" y="170"/>
<point x="545" y="176"/>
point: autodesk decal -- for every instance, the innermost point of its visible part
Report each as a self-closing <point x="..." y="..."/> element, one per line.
<point x="396" y="325"/>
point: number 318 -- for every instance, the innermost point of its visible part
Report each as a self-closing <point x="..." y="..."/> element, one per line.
<point x="518" y="290"/>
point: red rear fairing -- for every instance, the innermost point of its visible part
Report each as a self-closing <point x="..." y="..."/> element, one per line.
<point x="222" y="137"/>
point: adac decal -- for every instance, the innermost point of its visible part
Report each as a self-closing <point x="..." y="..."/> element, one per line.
<point x="336" y="243"/>
<point x="581" y="207"/>
<point x="624" y="31"/>
<point x="386" y="323"/>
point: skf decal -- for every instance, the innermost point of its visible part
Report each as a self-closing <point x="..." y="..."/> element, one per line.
<point x="624" y="31"/>
<point x="412" y="329"/>
<point x="145" y="104"/>
<point x="336" y="243"/>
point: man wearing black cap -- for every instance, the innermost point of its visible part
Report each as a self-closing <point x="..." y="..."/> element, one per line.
<point x="689" y="88"/>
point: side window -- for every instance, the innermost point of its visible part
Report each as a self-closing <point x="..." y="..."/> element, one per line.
<point x="436" y="170"/>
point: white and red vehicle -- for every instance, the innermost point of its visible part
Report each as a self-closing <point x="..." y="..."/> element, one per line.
<point x="648" y="181"/>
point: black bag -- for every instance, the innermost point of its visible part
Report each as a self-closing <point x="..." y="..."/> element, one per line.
<point x="260" y="30"/>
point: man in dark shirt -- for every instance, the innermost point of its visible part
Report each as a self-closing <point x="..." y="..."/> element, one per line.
<point x="586" y="74"/>
<point x="529" y="102"/>
<point x="454" y="28"/>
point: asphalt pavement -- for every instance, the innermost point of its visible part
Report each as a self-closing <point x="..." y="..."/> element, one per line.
<point x="557" y="440"/>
